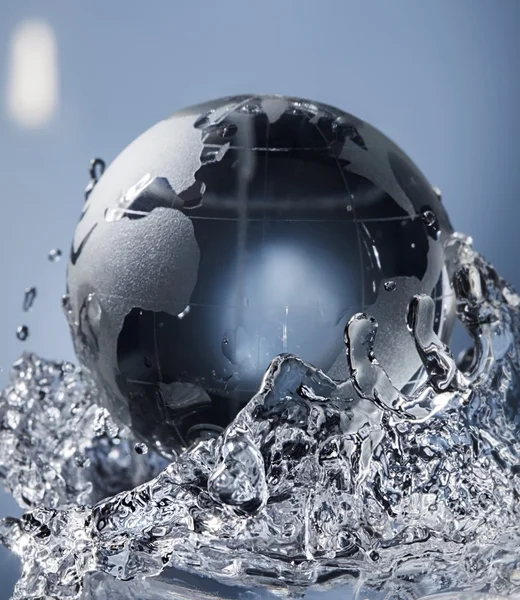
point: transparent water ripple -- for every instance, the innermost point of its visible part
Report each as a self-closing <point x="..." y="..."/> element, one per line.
<point x="315" y="483"/>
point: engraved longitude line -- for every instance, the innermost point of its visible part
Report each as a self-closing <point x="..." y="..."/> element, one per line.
<point x="264" y="217"/>
<point x="242" y="194"/>
<point x="360" y="246"/>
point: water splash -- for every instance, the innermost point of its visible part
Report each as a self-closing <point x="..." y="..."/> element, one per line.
<point x="316" y="482"/>
<point x="54" y="255"/>
<point x="28" y="298"/>
<point x="22" y="332"/>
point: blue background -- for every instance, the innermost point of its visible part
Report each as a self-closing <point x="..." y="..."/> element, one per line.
<point x="440" y="77"/>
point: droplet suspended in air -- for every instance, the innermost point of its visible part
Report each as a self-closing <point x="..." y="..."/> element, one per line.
<point x="22" y="333"/>
<point x="29" y="298"/>
<point x="55" y="255"/>
<point x="390" y="286"/>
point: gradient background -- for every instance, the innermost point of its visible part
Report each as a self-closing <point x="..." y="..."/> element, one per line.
<point x="440" y="77"/>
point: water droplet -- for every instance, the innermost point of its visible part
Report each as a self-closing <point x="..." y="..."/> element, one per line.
<point x="390" y="286"/>
<point x="412" y="245"/>
<point x="29" y="297"/>
<point x="22" y="333"/>
<point x="141" y="448"/>
<point x="67" y="308"/>
<point x="437" y="192"/>
<point x="429" y="217"/>
<point x="202" y="121"/>
<point x="89" y="323"/>
<point x="96" y="168"/>
<point x="54" y="255"/>
<point x="182" y="314"/>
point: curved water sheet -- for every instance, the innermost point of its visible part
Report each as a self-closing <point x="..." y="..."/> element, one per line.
<point x="316" y="484"/>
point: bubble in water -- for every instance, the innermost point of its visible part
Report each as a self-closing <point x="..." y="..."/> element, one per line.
<point x="22" y="332"/>
<point x="390" y="286"/>
<point x="141" y="448"/>
<point x="29" y="298"/>
<point x="54" y="255"/>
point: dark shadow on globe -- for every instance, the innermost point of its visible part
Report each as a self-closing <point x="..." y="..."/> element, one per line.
<point x="238" y="230"/>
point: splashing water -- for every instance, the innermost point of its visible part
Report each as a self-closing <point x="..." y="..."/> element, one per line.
<point x="54" y="255"/>
<point x="29" y="298"/>
<point x="22" y="332"/>
<point x="316" y="482"/>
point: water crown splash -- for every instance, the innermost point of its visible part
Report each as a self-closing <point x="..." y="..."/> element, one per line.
<point x="316" y="482"/>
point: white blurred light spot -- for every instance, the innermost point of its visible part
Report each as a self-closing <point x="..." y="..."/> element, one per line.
<point x="32" y="86"/>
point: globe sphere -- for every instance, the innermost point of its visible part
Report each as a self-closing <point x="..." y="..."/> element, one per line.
<point x="237" y="230"/>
